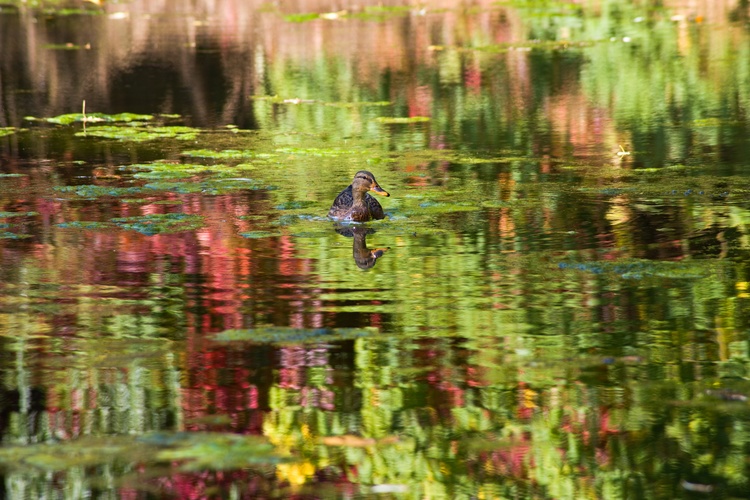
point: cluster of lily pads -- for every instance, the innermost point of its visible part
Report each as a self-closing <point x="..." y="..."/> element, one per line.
<point x="149" y="225"/>
<point x="191" y="450"/>
<point x="13" y="220"/>
<point x="124" y="126"/>
<point x="640" y="269"/>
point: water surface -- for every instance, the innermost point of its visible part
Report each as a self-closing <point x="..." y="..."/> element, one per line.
<point x="554" y="307"/>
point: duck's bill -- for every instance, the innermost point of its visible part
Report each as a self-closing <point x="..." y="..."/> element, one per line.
<point x="379" y="190"/>
<point x="378" y="252"/>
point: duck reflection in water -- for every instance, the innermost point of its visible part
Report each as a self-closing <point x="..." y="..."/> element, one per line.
<point x="364" y="257"/>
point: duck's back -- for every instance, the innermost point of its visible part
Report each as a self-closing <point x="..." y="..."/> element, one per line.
<point x="344" y="201"/>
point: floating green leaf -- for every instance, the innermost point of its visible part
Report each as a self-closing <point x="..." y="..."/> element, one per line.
<point x="322" y="152"/>
<point x="169" y="170"/>
<point x="6" y="215"/>
<point x="87" y="451"/>
<point x="287" y="335"/>
<point x="214" y="451"/>
<point x="401" y="120"/>
<point x="140" y="133"/>
<point x="477" y="161"/>
<point x="177" y="187"/>
<point x="164" y="174"/>
<point x="198" y="450"/>
<point x="301" y="18"/>
<point x="259" y="234"/>
<point x="210" y="186"/>
<point x="5" y="235"/>
<point x="295" y="204"/>
<point x="94" y="191"/>
<point x="69" y="118"/>
<point x="160" y="223"/>
<point x="63" y="46"/>
<point x="227" y="154"/>
<point x="639" y="269"/>
<point x="86" y="225"/>
<point x="357" y="104"/>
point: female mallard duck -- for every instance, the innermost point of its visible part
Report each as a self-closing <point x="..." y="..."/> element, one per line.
<point x="355" y="204"/>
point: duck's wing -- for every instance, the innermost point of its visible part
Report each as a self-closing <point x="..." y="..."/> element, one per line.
<point x="374" y="206"/>
<point x="342" y="203"/>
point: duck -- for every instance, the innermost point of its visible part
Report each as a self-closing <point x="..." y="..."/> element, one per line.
<point x="355" y="203"/>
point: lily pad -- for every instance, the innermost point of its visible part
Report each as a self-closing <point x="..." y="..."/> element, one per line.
<point x="160" y="223"/>
<point x="6" y="215"/>
<point x="196" y="451"/>
<point x="226" y="154"/>
<point x="169" y="170"/>
<point x="176" y="187"/>
<point x="290" y="219"/>
<point x="357" y="104"/>
<point x="639" y="269"/>
<point x="94" y="191"/>
<point x="87" y="451"/>
<point x="467" y="160"/>
<point x="321" y="152"/>
<point x="260" y="234"/>
<point x="127" y="346"/>
<point x="301" y="18"/>
<point x="210" y="186"/>
<point x="140" y="133"/>
<point x="288" y="335"/>
<point x="86" y="225"/>
<point x="296" y="204"/>
<point x="69" y="118"/>
<point x="401" y="120"/>
<point x="6" y="235"/>
<point x="63" y="46"/>
<point x="214" y="450"/>
<point x="164" y="174"/>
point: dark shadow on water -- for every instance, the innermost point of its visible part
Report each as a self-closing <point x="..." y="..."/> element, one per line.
<point x="364" y="257"/>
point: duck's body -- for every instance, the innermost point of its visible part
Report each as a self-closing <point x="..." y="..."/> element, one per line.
<point x="355" y="204"/>
<point x="344" y="208"/>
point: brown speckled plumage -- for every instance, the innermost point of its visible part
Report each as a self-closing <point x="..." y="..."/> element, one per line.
<point x="355" y="203"/>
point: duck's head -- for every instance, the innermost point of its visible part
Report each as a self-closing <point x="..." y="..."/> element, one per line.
<point x="365" y="181"/>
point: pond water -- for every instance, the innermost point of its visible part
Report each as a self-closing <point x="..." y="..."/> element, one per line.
<point x="555" y="306"/>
